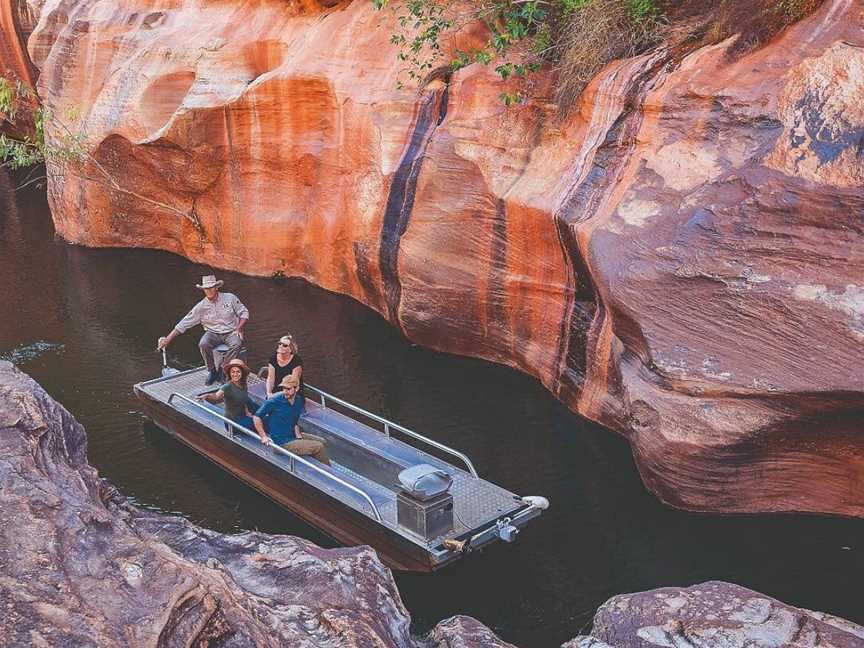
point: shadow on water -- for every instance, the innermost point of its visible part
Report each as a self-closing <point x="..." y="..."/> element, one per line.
<point x="84" y="323"/>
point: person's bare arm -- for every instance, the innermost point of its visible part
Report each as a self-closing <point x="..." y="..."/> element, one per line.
<point x="297" y="432"/>
<point x="240" y="325"/>
<point x="192" y="318"/>
<point x="259" y="427"/>
<point x="271" y="380"/>
<point x="165" y="341"/>
<point x="297" y="372"/>
<point x="213" y="397"/>
<point x="242" y="314"/>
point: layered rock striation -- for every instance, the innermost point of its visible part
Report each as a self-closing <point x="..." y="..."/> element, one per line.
<point x="713" y="615"/>
<point x="681" y="259"/>
<point x="82" y="566"/>
<point x="17" y="20"/>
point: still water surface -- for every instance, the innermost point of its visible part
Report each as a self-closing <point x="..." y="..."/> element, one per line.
<point x="84" y="323"/>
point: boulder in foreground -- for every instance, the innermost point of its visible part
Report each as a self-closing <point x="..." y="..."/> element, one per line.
<point x="713" y="615"/>
<point x="82" y="566"/>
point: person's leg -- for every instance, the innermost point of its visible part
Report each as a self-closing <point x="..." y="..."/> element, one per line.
<point x="208" y="342"/>
<point x="245" y="421"/>
<point x="309" y="447"/>
<point x="235" y="344"/>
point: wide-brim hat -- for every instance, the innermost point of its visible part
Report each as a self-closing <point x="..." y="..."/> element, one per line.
<point x="210" y="281"/>
<point x="236" y="362"/>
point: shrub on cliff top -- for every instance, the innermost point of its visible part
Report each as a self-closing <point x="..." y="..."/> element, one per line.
<point x="574" y="38"/>
<point x="599" y="32"/>
<point x="753" y="24"/>
<point x="523" y="35"/>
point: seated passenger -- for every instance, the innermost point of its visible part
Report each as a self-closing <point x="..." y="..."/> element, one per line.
<point x="280" y="415"/>
<point x="285" y="362"/>
<point x="238" y="405"/>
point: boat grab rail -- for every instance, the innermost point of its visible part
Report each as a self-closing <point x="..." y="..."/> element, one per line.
<point x="287" y="453"/>
<point x="390" y="424"/>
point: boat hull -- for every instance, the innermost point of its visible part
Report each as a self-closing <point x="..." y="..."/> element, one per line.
<point x="343" y="523"/>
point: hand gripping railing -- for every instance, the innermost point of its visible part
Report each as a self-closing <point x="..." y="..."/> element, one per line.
<point x="390" y="424"/>
<point x="287" y="453"/>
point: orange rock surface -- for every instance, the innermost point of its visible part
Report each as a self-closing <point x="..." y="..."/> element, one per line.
<point x="17" y="20"/>
<point x="682" y="259"/>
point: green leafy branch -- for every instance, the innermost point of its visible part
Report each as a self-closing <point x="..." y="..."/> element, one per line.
<point x="523" y="35"/>
<point x="17" y="153"/>
<point x="63" y="147"/>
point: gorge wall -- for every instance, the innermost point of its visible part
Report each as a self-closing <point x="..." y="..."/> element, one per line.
<point x="681" y="259"/>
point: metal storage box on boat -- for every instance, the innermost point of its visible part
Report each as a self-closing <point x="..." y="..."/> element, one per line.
<point x="427" y="519"/>
<point x="424" y="506"/>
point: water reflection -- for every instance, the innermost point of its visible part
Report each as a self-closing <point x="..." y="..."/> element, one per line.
<point x="84" y="324"/>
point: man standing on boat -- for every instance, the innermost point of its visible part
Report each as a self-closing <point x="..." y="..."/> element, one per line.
<point x="223" y="317"/>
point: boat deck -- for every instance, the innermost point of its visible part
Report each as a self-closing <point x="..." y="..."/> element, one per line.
<point x="476" y="502"/>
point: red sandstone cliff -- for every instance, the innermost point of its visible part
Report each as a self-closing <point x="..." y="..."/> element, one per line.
<point x="682" y="259"/>
<point x="17" y="20"/>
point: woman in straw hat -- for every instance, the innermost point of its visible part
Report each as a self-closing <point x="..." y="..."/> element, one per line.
<point x="238" y="405"/>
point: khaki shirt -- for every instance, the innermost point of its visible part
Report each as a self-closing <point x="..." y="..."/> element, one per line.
<point x="220" y="316"/>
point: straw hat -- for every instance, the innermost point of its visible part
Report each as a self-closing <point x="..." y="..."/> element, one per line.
<point x="289" y="380"/>
<point x="236" y="362"/>
<point x="209" y="281"/>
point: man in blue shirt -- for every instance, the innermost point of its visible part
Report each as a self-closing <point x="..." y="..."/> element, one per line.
<point x="280" y="415"/>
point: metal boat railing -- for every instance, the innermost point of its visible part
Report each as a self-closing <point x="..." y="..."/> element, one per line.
<point x="390" y="424"/>
<point x="283" y="451"/>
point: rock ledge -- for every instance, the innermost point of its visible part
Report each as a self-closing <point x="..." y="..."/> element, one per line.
<point x="713" y="615"/>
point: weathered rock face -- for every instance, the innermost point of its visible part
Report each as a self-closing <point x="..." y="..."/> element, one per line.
<point x="17" y="21"/>
<point x="713" y="615"/>
<point x="682" y="259"/>
<point x="81" y="566"/>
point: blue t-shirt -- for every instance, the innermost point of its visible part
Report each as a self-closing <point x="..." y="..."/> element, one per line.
<point x="280" y="416"/>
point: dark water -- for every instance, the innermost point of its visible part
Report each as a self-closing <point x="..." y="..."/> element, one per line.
<point x="84" y="322"/>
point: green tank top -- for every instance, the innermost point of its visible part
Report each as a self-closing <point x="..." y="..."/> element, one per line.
<point x="236" y="401"/>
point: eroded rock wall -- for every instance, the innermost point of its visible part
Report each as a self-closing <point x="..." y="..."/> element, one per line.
<point x="682" y="259"/>
<point x="82" y="566"/>
<point x="17" y="20"/>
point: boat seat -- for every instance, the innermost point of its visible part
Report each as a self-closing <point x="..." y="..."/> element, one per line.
<point x="220" y="351"/>
<point x="372" y="461"/>
<point x="357" y="447"/>
<point x="380" y="495"/>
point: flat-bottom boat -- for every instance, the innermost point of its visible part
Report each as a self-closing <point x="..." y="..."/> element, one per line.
<point x="417" y="510"/>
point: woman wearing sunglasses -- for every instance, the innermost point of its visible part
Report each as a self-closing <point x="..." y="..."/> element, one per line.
<point x="285" y="362"/>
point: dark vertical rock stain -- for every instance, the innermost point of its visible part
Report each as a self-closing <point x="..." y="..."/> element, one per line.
<point x="581" y="307"/>
<point x="364" y="275"/>
<point x="495" y="312"/>
<point x="400" y="201"/>
<point x="23" y="23"/>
